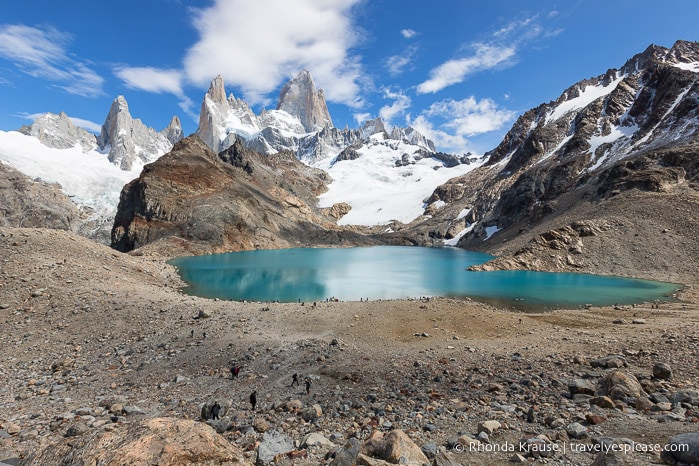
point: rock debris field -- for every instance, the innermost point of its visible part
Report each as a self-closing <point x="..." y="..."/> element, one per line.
<point x="106" y="362"/>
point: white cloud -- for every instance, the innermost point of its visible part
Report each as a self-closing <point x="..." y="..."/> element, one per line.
<point x="151" y="79"/>
<point x="455" y="71"/>
<point x="396" y="64"/>
<point x="469" y="117"/>
<point x="86" y="124"/>
<point x="256" y="50"/>
<point x="450" y="123"/>
<point x="42" y="53"/>
<point x="408" y="33"/>
<point x="361" y="117"/>
<point x="401" y="103"/>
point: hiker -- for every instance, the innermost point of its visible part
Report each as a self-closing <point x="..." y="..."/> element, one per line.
<point x="216" y="411"/>
<point x="295" y="379"/>
<point x="253" y="399"/>
<point x="235" y="370"/>
<point x="308" y="386"/>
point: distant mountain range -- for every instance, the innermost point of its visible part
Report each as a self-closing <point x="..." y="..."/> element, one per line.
<point x="401" y="161"/>
<point x="629" y="128"/>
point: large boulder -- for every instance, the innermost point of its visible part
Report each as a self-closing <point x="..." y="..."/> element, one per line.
<point x="153" y="441"/>
<point x="687" y="446"/>
<point x="619" y="385"/>
<point x="394" y="447"/>
<point x="347" y="454"/>
<point x="273" y="443"/>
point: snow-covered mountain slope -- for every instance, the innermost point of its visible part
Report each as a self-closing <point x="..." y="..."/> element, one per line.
<point x="388" y="180"/>
<point x="601" y="136"/>
<point x="88" y="177"/>
<point x="91" y="170"/>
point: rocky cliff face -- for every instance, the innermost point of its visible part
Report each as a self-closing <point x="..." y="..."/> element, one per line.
<point x="628" y="130"/>
<point x="300" y="98"/>
<point x="194" y="201"/>
<point x="130" y="143"/>
<point x="26" y="203"/>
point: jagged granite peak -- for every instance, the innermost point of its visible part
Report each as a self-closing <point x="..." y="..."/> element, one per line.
<point x="59" y="132"/>
<point x="129" y="141"/>
<point x="300" y="98"/>
<point x="217" y="91"/>
<point x="173" y="132"/>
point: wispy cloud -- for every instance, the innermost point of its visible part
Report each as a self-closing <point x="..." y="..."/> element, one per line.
<point x="311" y="34"/>
<point x="42" y="53"/>
<point x="455" y="71"/>
<point x="396" y="64"/>
<point x="499" y="50"/>
<point x="400" y="104"/>
<point x="408" y="33"/>
<point x="158" y="81"/>
<point x="450" y="123"/>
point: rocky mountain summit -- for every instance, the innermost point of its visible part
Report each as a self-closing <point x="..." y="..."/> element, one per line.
<point x="129" y="141"/>
<point x="299" y="97"/>
<point x="58" y="131"/>
<point x="300" y="123"/>
<point x="628" y="130"/>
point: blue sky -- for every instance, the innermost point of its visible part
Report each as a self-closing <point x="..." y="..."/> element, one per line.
<point x="459" y="71"/>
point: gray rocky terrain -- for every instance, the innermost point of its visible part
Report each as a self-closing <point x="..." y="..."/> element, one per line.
<point x="105" y="360"/>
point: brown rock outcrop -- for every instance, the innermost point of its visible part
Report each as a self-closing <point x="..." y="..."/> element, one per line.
<point x="192" y="201"/>
<point x="154" y="441"/>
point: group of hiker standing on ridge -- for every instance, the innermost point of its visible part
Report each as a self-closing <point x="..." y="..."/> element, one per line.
<point x="235" y="371"/>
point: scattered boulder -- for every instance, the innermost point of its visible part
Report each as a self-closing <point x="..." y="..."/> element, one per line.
<point x="662" y="371"/>
<point x="619" y="385"/>
<point x="312" y="413"/>
<point x="581" y="386"/>
<point x="688" y="442"/>
<point x="347" y="454"/>
<point x="602" y="401"/>
<point x="613" y="361"/>
<point x="273" y="443"/>
<point x="488" y="427"/>
<point x="576" y="430"/>
<point x="394" y="447"/>
<point x="77" y="430"/>
<point x="686" y="396"/>
<point x="314" y="439"/>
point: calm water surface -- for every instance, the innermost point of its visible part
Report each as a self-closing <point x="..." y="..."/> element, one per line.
<point x="390" y="272"/>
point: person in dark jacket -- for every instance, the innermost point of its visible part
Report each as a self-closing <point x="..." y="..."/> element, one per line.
<point x="253" y="399"/>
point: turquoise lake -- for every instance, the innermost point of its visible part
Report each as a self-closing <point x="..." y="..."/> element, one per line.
<point x="391" y="272"/>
